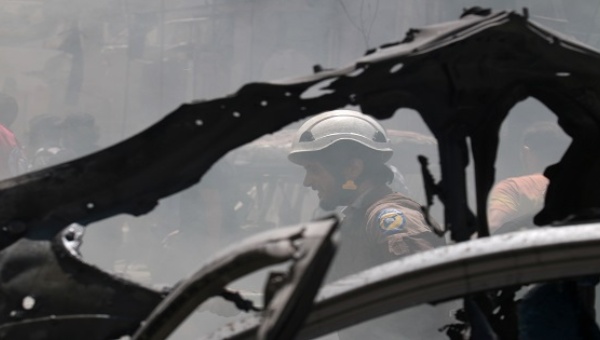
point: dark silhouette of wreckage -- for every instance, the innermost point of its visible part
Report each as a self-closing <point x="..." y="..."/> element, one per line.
<point x="463" y="77"/>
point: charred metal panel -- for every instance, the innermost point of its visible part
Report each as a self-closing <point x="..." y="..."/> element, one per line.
<point x="46" y="290"/>
<point x="463" y="77"/>
<point x="445" y="273"/>
<point x="310" y="247"/>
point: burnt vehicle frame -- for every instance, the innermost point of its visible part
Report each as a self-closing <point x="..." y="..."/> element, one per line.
<point x="443" y="274"/>
<point x="444" y="72"/>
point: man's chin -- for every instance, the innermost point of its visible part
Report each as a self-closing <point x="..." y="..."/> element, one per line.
<point x="327" y="206"/>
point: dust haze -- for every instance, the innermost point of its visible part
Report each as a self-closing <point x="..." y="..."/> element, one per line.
<point x="93" y="73"/>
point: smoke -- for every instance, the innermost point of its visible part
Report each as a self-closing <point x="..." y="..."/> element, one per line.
<point x="129" y="62"/>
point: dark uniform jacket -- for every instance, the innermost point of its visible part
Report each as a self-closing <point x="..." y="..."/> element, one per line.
<point x="380" y="226"/>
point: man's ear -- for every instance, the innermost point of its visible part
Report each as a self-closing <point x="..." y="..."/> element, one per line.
<point x="354" y="169"/>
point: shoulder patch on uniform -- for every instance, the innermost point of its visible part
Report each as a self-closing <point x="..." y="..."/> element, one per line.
<point x="391" y="221"/>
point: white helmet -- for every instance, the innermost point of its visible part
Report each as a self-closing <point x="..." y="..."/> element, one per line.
<point x="328" y="128"/>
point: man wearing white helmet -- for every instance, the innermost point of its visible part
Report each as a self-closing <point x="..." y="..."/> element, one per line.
<point x="344" y="154"/>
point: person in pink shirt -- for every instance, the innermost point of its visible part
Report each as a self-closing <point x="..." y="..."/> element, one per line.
<point x="514" y="201"/>
<point x="12" y="159"/>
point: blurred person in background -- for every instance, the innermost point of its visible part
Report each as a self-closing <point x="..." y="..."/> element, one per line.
<point x="514" y="201"/>
<point x="552" y="310"/>
<point x="12" y="157"/>
<point x="53" y="140"/>
<point x="43" y="144"/>
<point x="80" y="136"/>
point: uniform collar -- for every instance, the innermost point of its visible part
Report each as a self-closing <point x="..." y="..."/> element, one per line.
<point x="367" y="198"/>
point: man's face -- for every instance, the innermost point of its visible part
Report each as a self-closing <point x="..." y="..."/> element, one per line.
<point x="323" y="182"/>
